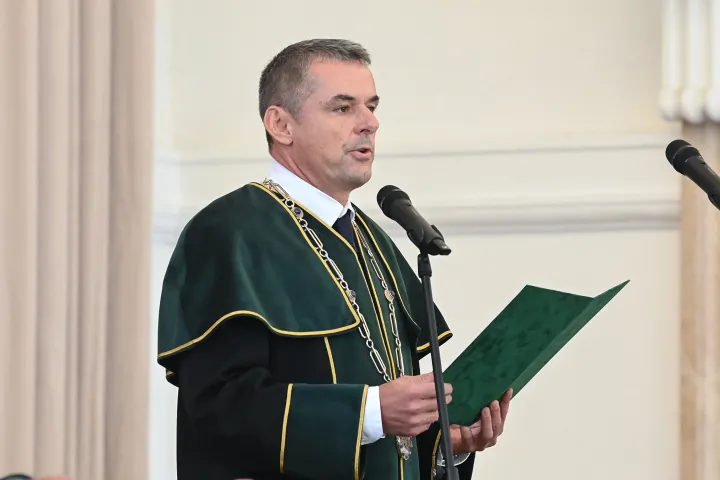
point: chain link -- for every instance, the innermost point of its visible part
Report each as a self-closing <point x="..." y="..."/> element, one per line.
<point x="389" y="294"/>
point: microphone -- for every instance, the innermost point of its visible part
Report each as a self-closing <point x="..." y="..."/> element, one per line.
<point x="396" y="205"/>
<point x="687" y="161"/>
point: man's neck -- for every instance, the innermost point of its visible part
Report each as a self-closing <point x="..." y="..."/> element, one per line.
<point x="339" y="195"/>
<point x="326" y="207"/>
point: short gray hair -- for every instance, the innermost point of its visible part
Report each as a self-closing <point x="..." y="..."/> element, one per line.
<point x="284" y="81"/>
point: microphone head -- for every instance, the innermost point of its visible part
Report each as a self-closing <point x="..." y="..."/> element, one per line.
<point x="677" y="153"/>
<point x="388" y="195"/>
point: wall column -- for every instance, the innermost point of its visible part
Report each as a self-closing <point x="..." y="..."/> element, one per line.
<point x="691" y="96"/>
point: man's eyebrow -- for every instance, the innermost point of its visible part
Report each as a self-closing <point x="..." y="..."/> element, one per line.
<point x="343" y="97"/>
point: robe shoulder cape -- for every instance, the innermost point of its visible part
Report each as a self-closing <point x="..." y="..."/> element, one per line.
<point x="271" y="273"/>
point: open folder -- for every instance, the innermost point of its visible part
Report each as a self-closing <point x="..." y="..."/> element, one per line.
<point x="518" y="343"/>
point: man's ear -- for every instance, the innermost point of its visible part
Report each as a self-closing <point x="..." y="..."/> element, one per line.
<point x="279" y="124"/>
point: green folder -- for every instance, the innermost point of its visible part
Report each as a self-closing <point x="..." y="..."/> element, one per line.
<point x="529" y="331"/>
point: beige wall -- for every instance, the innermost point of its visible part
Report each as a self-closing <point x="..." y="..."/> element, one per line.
<point x="530" y="133"/>
<point x="453" y="75"/>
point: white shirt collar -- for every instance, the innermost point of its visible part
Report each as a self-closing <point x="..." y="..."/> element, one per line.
<point x="319" y="203"/>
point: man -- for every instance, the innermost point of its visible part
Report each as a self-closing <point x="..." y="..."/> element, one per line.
<point x="289" y="320"/>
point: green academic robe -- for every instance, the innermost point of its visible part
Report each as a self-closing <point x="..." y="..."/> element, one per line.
<point x="264" y="345"/>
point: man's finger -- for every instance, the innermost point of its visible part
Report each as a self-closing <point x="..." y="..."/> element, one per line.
<point x="429" y="418"/>
<point x="467" y="440"/>
<point x="497" y="422"/>
<point x="505" y="404"/>
<point x="426" y="405"/>
<point x="427" y="377"/>
<point x="487" y="429"/>
<point x="427" y="390"/>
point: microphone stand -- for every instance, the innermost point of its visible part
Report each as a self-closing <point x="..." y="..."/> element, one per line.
<point x="425" y="272"/>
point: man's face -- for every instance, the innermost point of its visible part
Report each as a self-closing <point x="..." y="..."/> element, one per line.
<point x="334" y="138"/>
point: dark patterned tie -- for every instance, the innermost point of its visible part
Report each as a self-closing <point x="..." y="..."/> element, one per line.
<point x="343" y="226"/>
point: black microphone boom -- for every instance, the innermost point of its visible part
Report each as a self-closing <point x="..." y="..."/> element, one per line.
<point x="687" y="161"/>
<point x="396" y="205"/>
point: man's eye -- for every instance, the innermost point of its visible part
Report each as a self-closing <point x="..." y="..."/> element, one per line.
<point x="342" y="109"/>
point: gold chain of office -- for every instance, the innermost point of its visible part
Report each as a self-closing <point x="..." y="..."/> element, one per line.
<point x="404" y="444"/>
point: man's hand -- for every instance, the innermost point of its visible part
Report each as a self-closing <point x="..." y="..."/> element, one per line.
<point x="409" y="405"/>
<point x="483" y="433"/>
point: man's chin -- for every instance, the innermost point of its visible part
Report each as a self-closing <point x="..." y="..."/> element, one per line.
<point x="355" y="173"/>
<point x="359" y="179"/>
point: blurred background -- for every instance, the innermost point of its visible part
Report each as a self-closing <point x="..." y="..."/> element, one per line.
<point x="531" y="133"/>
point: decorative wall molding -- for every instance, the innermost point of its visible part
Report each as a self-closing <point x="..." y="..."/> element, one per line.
<point x="520" y="216"/>
<point x="551" y="187"/>
<point x="503" y="146"/>
<point x="691" y="60"/>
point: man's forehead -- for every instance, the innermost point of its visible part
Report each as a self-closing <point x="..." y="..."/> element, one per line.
<point x="333" y="78"/>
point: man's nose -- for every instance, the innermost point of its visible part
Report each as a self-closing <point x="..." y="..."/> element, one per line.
<point x="368" y="122"/>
